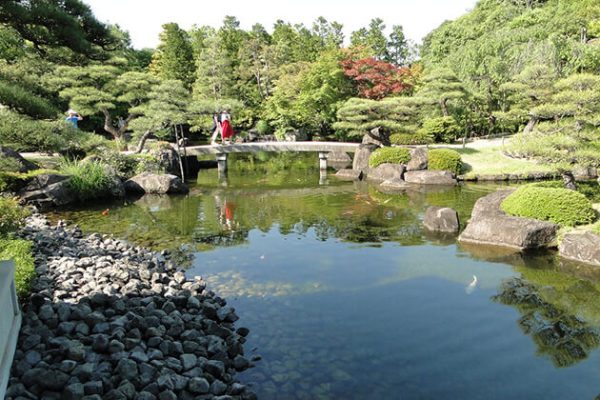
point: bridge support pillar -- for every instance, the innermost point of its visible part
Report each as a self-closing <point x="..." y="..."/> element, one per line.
<point x="222" y="163"/>
<point x="323" y="160"/>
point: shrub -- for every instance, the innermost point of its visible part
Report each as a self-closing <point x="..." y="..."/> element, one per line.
<point x="561" y="206"/>
<point x="20" y="252"/>
<point x="89" y="179"/>
<point x="442" y="129"/>
<point x="444" y="160"/>
<point x="420" y="137"/>
<point x="391" y="155"/>
<point x="11" y="216"/>
<point x="263" y="127"/>
<point x="590" y="189"/>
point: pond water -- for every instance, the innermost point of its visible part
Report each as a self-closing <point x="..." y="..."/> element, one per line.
<point x="347" y="297"/>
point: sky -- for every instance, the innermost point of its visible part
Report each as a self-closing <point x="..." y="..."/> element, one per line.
<point x="144" y="18"/>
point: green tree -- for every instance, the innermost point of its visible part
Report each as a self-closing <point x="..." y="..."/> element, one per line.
<point x="441" y="87"/>
<point x="372" y="38"/>
<point x="398" y="48"/>
<point x="214" y="72"/>
<point x="173" y="58"/>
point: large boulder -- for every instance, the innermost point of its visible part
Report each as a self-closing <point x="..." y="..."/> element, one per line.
<point x="24" y="165"/>
<point x="339" y="157"/>
<point x="349" y="174"/>
<point x="490" y="225"/>
<point x="386" y="171"/>
<point x="418" y="159"/>
<point x="47" y="191"/>
<point x="584" y="172"/>
<point x="583" y="247"/>
<point x="361" y="157"/>
<point x="157" y="184"/>
<point x="295" y="136"/>
<point x="376" y="137"/>
<point x="168" y="159"/>
<point x="430" y="177"/>
<point x="441" y="219"/>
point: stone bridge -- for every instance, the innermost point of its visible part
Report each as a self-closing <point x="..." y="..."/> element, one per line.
<point x="221" y="151"/>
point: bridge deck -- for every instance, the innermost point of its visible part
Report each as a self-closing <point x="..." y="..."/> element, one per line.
<point x="273" y="147"/>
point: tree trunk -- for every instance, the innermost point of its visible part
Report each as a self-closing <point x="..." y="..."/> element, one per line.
<point x="530" y="125"/>
<point x="142" y="142"/>
<point x="444" y="107"/>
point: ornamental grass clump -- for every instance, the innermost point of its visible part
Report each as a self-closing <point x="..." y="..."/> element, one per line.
<point x="444" y="160"/>
<point x="561" y="206"/>
<point x="389" y="155"/>
<point x="89" y="179"/>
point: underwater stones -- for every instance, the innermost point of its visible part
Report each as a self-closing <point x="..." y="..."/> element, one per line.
<point x="584" y="247"/>
<point x="349" y="174"/>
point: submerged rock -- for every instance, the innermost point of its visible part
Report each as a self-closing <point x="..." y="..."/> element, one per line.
<point x="156" y="184"/>
<point x="583" y="247"/>
<point x="441" y="219"/>
<point x="430" y="177"/>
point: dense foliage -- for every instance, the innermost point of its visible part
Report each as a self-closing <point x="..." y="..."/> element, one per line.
<point x="88" y="179"/>
<point x="558" y="205"/>
<point x="389" y="155"/>
<point x="444" y="160"/>
<point x="19" y="251"/>
<point x="11" y="216"/>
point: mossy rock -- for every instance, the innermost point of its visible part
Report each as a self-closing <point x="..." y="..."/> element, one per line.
<point x="561" y="206"/>
<point x="389" y="155"/>
<point x="445" y="160"/>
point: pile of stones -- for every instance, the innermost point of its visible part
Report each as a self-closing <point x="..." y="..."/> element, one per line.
<point x="109" y="320"/>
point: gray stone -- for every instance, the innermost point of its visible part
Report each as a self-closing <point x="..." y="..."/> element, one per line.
<point x="218" y="387"/>
<point x="430" y="177"/>
<point x="115" y="346"/>
<point x="52" y="195"/>
<point x="489" y="225"/>
<point x="31" y="341"/>
<point x="139" y="356"/>
<point x="339" y="157"/>
<point x="127" y="369"/>
<point x="395" y="184"/>
<point x="584" y="247"/>
<point x="46" y="312"/>
<point x="198" y="386"/>
<point x="74" y="391"/>
<point x="376" y="137"/>
<point x="167" y="395"/>
<point x="32" y="357"/>
<point x="24" y="165"/>
<point x="348" y="174"/>
<point x="240" y="363"/>
<point x="361" y="157"/>
<point x="94" y="387"/>
<point x="418" y="159"/>
<point x="441" y="219"/>
<point x="583" y="172"/>
<point x="386" y="171"/>
<point x="153" y="183"/>
<point x="188" y="361"/>
<point x="145" y="396"/>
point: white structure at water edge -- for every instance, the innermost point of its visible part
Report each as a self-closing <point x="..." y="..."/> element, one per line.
<point x="10" y="322"/>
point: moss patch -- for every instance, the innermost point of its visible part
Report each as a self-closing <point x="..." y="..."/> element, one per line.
<point x="561" y="206"/>
<point x="20" y="252"/>
<point x="389" y="155"/>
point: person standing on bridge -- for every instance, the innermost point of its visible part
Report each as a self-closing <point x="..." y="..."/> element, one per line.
<point x="216" y="129"/>
<point x="226" y="128"/>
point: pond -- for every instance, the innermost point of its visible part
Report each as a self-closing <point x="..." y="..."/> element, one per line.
<point x="347" y="297"/>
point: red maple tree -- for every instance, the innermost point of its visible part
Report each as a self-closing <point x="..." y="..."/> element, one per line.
<point x="377" y="79"/>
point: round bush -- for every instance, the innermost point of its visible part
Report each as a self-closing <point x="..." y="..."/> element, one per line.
<point x="389" y="155"/>
<point x="263" y="127"/>
<point x="442" y="129"/>
<point x="444" y="160"/>
<point x="11" y="216"/>
<point x="561" y="206"/>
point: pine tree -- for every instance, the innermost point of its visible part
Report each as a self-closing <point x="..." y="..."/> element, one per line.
<point x="442" y="86"/>
<point x="173" y="58"/>
<point x="214" y="72"/>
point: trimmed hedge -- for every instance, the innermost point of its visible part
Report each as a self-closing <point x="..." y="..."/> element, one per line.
<point x="390" y="155"/>
<point x="444" y="160"/>
<point x="442" y="129"/>
<point x="561" y="206"/>
<point x="20" y="252"/>
<point x="407" y="139"/>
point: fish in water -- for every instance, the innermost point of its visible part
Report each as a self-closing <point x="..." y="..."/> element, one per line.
<point x="472" y="285"/>
<point x="105" y="212"/>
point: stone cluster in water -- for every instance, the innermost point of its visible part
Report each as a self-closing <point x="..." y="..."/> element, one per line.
<point x="108" y="320"/>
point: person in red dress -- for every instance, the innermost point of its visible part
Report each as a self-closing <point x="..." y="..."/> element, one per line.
<point x="226" y="128"/>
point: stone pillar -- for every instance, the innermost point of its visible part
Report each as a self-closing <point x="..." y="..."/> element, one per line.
<point x="222" y="162"/>
<point x="323" y="160"/>
<point x="10" y="322"/>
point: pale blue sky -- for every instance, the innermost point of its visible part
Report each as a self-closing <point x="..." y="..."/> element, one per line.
<point x="143" y="18"/>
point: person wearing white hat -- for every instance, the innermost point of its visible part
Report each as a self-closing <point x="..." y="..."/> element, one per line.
<point x="73" y="117"/>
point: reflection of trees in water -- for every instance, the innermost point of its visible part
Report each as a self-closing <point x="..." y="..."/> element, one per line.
<point x="562" y="336"/>
<point x="223" y="238"/>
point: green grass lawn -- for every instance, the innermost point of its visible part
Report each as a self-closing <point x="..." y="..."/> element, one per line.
<point x="492" y="161"/>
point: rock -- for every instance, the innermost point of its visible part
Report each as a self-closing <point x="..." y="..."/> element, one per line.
<point x="243" y="331"/>
<point x="386" y="172"/>
<point x="188" y="361"/>
<point x="418" y="159"/>
<point x="489" y="225"/>
<point x="430" y="177"/>
<point x="240" y="363"/>
<point x="46" y="312"/>
<point x="394" y="184"/>
<point x="32" y="357"/>
<point x="167" y="395"/>
<point x="168" y="160"/>
<point x="376" y="137"/>
<point x="74" y="392"/>
<point x="441" y="219"/>
<point x="584" y="247"/>
<point x="339" y="157"/>
<point x="58" y="193"/>
<point x="153" y="183"/>
<point x="583" y="172"/>
<point x="198" y="386"/>
<point x="349" y="174"/>
<point x="361" y="157"/>
<point x="218" y="387"/>
<point x="295" y="136"/>
<point x="127" y="369"/>
<point x="23" y="164"/>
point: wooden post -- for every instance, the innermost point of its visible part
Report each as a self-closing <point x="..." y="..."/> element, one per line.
<point x="179" y="154"/>
<point x="10" y="322"/>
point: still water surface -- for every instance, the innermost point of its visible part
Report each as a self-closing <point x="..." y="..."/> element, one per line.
<point x="346" y="297"/>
